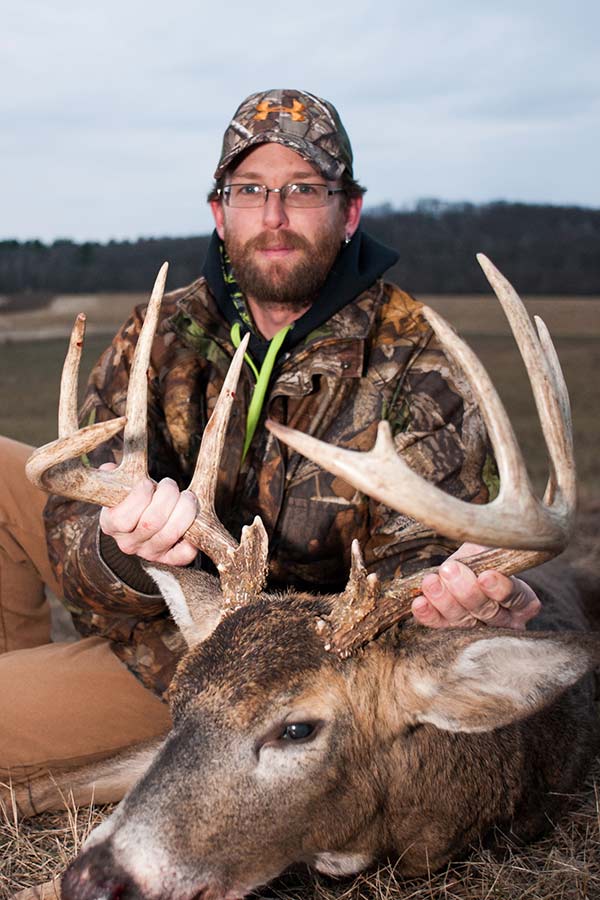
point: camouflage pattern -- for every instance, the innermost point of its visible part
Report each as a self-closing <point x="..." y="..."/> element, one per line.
<point x="376" y="358"/>
<point x="304" y="123"/>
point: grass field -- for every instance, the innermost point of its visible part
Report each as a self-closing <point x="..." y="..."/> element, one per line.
<point x="563" y="866"/>
<point x="30" y="369"/>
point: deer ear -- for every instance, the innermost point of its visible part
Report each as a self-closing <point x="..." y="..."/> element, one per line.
<point x="193" y="597"/>
<point x="487" y="681"/>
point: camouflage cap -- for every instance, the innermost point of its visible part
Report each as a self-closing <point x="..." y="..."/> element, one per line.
<point x="300" y="121"/>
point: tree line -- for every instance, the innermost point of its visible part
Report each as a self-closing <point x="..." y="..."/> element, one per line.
<point x="543" y="249"/>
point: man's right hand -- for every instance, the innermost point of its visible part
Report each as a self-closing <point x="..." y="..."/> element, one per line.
<point x="151" y="522"/>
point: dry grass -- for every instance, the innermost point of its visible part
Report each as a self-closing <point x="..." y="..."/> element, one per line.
<point x="481" y="314"/>
<point x="36" y="850"/>
<point x="565" y="865"/>
<point x="54" y="318"/>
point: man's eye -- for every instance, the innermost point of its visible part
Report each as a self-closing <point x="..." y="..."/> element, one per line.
<point x="297" y="731"/>
<point x="306" y="189"/>
<point x="248" y="190"/>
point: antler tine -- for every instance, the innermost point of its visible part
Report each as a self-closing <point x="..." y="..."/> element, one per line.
<point x="56" y="466"/>
<point x="558" y="379"/>
<point x="67" y="405"/>
<point x="134" y="462"/>
<point x="204" y="480"/>
<point x="548" y="387"/>
<point x="511" y="468"/>
<point x="207" y="533"/>
<point x="47" y="466"/>
<point x="242" y="568"/>
<point x="565" y="449"/>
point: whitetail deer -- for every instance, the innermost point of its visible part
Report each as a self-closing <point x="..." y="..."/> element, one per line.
<point x="316" y="729"/>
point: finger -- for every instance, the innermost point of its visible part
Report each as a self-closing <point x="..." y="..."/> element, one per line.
<point x="426" y="614"/>
<point x="440" y="596"/>
<point x="152" y="518"/>
<point x="156" y="515"/>
<point x="465" y="590"/>
<point x="182" y="554"/>
<point x="179" y="519"/>
<point x="504" y="589"/>
<point x="513" y="594"/>
<point x="124" y="517"/>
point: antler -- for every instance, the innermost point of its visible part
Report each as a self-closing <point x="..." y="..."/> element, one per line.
<point x="57" y="467"/>
<point x="534" y="530"/>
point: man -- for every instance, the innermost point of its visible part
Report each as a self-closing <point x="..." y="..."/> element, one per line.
<point x="333" y="349"/>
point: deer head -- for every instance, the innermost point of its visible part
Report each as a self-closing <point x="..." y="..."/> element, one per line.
<point x="281" y="753"/>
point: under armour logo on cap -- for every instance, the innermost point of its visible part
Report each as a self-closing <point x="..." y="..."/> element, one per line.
<point x="265" y="109"/>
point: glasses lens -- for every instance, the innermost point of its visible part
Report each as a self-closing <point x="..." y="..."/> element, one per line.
<point x="247" y="195"/>
<point x="300" y="195"/>
<point x="305" y="195"/>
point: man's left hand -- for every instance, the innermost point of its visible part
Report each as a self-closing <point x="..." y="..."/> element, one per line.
<point x="455" y="597"/>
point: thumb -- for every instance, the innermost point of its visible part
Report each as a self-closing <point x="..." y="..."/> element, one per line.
<point x="467" y="549"/>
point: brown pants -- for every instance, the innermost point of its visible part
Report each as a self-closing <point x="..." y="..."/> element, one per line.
<point x="61" y="704"/>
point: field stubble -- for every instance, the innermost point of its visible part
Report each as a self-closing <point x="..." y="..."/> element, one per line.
<point x="566" y="864"/>
<point x="30" y="369"/>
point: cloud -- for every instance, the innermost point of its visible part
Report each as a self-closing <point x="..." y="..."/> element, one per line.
<point x="114" y="117"/>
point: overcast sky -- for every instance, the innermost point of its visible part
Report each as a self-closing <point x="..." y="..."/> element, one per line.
<point x="113" y="112"/>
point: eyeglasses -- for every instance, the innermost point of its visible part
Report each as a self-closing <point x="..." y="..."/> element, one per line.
<point x="300" y="196"/>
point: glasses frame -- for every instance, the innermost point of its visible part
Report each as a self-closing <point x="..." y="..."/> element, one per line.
<point x="283" y="192"/>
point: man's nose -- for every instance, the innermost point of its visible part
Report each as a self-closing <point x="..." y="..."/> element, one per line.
<point x="274" y="214"/>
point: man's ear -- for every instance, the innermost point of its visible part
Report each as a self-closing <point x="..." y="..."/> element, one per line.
<point x="353" y="211"/>
<point x="219" y="217"/>
<point x="194" y="599"/>
<point x="484" y="680"/>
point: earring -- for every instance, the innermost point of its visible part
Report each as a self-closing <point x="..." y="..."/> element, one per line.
<point x="348" y="238"/>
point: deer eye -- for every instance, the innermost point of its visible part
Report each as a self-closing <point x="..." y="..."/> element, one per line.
<point x="298" y="731"/>
<point x="288" y="734"/>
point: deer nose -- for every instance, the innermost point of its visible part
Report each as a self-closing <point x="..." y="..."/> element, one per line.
<point x="96" y="876"/>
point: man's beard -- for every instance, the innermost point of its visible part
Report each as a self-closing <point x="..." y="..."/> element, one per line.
<point x="281" y="284"/>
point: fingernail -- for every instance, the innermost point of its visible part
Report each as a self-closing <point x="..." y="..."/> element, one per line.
<point x="435" y="588"/>
<point x="450" y="570"/>
<point x="488" y="580"/>
<point x="420" y="604"/>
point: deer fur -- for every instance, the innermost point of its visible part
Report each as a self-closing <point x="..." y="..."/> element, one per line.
<point x="422" y="743"/>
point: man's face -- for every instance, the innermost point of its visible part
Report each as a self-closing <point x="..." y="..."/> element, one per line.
<point x="282" y="255"/>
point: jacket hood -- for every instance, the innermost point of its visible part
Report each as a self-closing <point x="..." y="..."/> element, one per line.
<point x="357" y="266"/>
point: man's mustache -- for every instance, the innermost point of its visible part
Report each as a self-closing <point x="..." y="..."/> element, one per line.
<point x="282" y="241"/>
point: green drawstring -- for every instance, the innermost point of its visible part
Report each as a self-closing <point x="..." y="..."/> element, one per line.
<point x="262" y="378"/>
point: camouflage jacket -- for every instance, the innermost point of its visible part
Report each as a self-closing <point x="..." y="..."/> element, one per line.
<point x="375" y="358"/>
